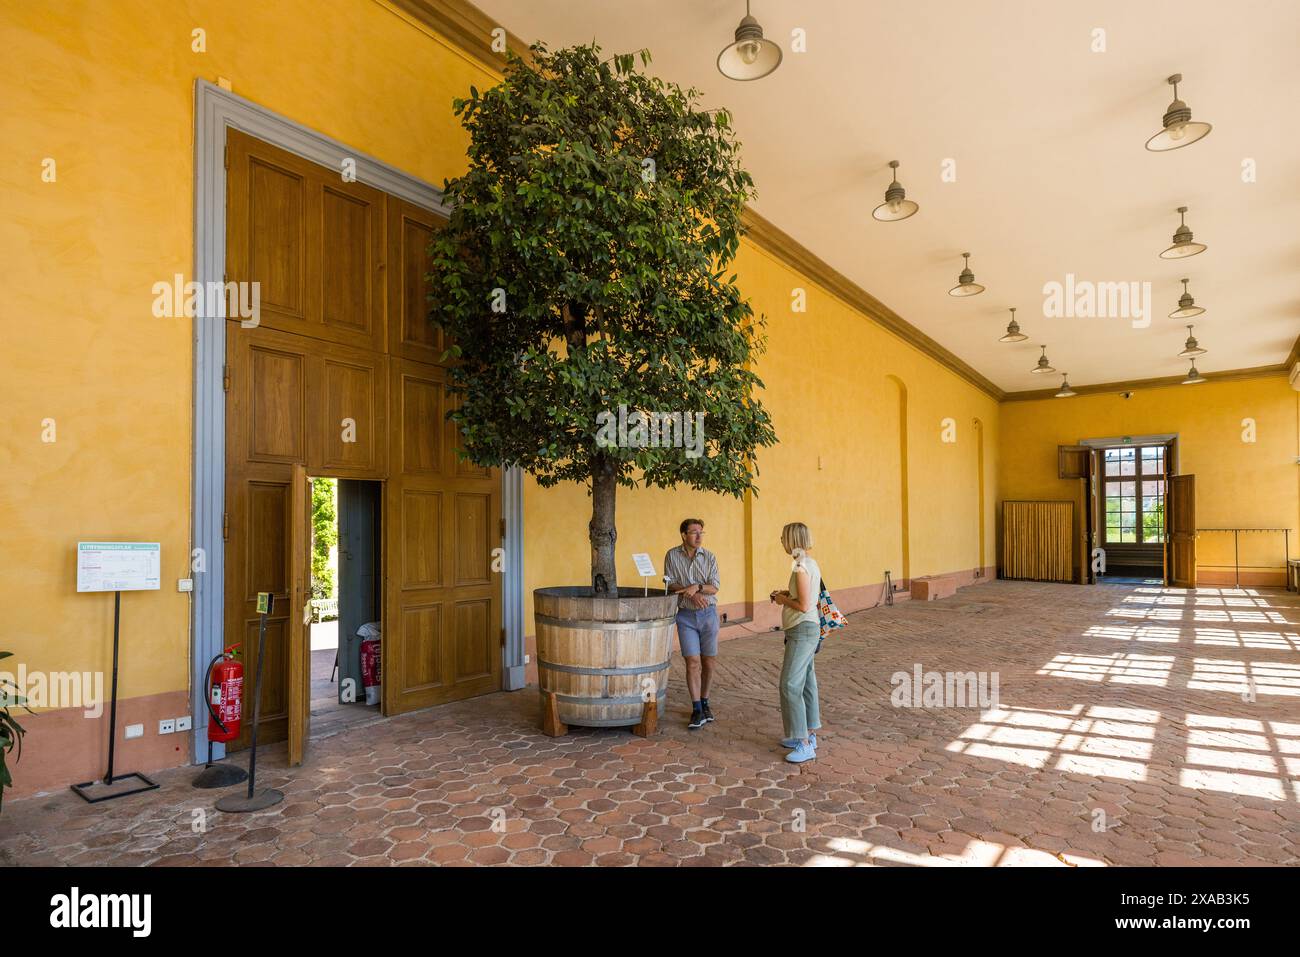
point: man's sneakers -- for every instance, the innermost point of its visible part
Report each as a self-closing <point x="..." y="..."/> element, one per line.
<point x="803" y="752"/>
<point x="697" y="720"/>
<point x="704" y="708"/>
<point x="794" y="742"/>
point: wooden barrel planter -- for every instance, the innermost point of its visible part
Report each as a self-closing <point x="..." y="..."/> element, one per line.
<point x="595" y="657"/>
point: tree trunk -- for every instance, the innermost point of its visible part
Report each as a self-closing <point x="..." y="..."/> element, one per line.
<point x="603" y="534"/>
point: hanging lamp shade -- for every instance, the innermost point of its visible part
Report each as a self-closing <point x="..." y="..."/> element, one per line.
<point x="1193" y="377"/>
<point x="1013" y="333"/>
<point x="1043" y="367"/>
<point x="966" y="284"/>
<point x="1178" y="129"/>
<point x="1187" y="307"/>
<point x="1066" y="392"/>
<point x="1183" y="245"/>
<point x="1191" y="348"/>
<point x="896" y="205"/>
<point x="750" y="56"/>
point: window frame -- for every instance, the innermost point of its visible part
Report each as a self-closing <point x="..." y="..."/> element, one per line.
<point x="1133" y="521"/>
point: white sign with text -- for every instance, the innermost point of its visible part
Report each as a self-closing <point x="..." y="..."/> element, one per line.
<point x="118" y="566"/>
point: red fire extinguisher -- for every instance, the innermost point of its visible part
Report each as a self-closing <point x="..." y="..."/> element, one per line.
<point x="225" y="691"/>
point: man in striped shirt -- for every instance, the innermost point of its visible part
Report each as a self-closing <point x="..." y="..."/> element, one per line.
<point x="692" y="573"/>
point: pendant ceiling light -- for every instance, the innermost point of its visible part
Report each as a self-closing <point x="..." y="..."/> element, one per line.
<point x="966" y="284"/>
<point x="1191" y="348"/>
<point x="1013" y="333"/>
<point x="1193" y="377"/>
<point x="1066" y="391"/>
<point x="1187" y="307"/>
<point x="750" y="57"/>
<point x="1183" y="245"/>
<point x="896" y="205"/>
<point x="1043" y="366"/>
<point x="1179" y="130"/>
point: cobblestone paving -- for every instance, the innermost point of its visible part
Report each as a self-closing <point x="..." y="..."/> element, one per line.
<point x="1124" y="734"/>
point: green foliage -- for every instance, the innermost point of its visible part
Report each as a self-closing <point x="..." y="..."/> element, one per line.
<point x="606" y="205"/>
<point x="325" y="534"/>
<point x="11" y="732"/>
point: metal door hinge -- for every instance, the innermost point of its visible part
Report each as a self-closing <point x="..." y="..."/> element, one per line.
<point x="503" y="528"/>
<point x="225" y="526"/>
<point x="227" y="157"/>
<point x="225" y="378"/>
<point x="503" y="637"/>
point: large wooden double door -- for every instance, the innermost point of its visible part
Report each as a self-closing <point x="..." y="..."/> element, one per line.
<point x="340" y="378"/>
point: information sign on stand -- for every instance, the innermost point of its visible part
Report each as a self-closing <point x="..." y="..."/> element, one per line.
<point x="647" y="569"/>
<point x="116" y="567"/>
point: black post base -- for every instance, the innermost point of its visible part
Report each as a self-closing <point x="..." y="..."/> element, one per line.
<point x="220" y="776"/>
<point x="241" y="803"/>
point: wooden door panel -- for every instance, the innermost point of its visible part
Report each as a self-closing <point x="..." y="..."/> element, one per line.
<point x="277" y="403"/>
<point x="474" y="644"/>
<point x="461" y="467"/>
<point x="313" y="242"/>
<point x="422" y="424"/>
<point x="1180" y="497"/>
<point x="423" y="649"/>
<point x="411" y="334"/>
<point x="274" y="686"/>
<point x="274" y="223"/>
<point x="347" y="260"/>
<point x="472" y="537"/>
<point x="351" y="424"/>
<point x="298" y="624"/>
<point x="421" y="537"/>
<point x="443" y="618"/>
<point x="303" y="400"/>
<point x="265" y="526"/>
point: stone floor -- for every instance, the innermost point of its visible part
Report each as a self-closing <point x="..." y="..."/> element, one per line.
<point x="1134" y="726"/>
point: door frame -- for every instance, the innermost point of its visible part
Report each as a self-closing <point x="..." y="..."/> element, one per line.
<point x="216" y="110"/>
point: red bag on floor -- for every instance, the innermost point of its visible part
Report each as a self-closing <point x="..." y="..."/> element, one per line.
<point x="370" y="668"/>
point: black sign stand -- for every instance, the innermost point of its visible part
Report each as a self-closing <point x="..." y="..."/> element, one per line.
<point x="105" y="790"/>
<point x="270" y="797"/>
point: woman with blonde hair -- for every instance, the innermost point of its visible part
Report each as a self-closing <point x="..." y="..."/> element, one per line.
<point x="800" y="713"/>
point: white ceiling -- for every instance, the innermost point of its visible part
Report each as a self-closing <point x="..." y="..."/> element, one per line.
<point x="1052" y="176"/>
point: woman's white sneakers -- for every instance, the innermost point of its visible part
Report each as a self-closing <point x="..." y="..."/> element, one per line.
<point x="802" y="753"/>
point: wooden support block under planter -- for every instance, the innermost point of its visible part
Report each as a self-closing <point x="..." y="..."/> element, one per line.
<point x="928" y="589"/>
<point x="551" y="724"/>
<point x="649" y="720"/>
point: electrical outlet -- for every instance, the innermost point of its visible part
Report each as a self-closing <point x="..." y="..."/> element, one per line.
<point x="167" y="726"/>
<point x="183" y="723"/>
<point x="135" y="731"/>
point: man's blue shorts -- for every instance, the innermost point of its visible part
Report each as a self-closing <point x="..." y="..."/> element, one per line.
<point x="697" y="631"/>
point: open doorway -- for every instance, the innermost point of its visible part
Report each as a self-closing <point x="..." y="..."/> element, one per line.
<point x="346" y="602"/>
<point x="1133" y="508"/>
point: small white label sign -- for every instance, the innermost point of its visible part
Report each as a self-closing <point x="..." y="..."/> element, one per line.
<point x="118" y="566"/>
<point x="644" y="566"/>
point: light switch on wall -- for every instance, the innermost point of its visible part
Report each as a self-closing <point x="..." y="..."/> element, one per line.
<point x="135" y="731"/>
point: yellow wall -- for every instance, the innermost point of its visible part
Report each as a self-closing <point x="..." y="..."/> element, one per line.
<point x="1238" y="483"/>
<point x="836" y="467"/>
<point x="106" y="89"/>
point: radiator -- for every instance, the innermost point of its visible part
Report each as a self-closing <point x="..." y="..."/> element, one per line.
<point x="1037" y="541"/>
